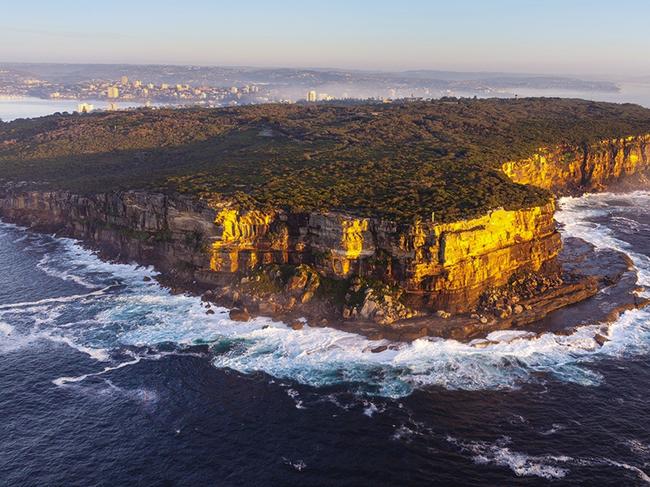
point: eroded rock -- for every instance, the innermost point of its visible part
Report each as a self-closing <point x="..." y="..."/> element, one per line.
<point x="240" y="314"/>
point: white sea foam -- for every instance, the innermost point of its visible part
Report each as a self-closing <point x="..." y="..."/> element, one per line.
<point x="297" y="465"/>
<point x="10" y="340"/>
<point x="145" y="396"/>
<point x="370" y="408"/>
<point x="552" y="430"/>
<point x="99" y="354"/>
<point x="89" y="263"/>
<point x="640" y="473"/>
<point x="546" y="466"/>
<point x="61" y="381"/>
<point x="576" y="215"/>
<point x="45" y="265"/>
<point x="637" y="446"/>
<point x="62" y="299"/>
<point x="144" y="314"/>
<point x="6" y="329"/>
<point x="521" y="464"/>
<point x="508" y="335"/>
<point x="295" y="395"/>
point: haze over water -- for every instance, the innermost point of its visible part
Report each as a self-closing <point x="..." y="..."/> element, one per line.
<point x="14" y="108"/>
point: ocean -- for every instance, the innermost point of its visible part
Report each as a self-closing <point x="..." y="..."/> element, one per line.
<point x="29" y="107"/>
<point x="108" y="379"/>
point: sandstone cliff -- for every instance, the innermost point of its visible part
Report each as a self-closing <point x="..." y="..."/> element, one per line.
<point x="443" y="267"/>
<point x="571" y="170"/>
<point x="439" y="266"/>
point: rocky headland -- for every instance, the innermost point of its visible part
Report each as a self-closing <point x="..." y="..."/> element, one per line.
<point x="461" y="279"/>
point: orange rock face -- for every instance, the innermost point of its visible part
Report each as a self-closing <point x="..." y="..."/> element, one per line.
<point x="576" y="169"/>
<point x="440" y="266"/>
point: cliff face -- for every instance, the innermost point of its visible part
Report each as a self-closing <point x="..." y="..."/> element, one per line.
<point x="440" y="266"/>
<point x="147" y="227"/>
<point x="567" y="170"/>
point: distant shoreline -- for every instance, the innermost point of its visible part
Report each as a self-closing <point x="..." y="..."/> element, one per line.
<point x="10" y="108"/>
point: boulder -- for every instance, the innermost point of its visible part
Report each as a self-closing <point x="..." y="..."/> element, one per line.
<point x="304" y="279"/>
<point x="267" y="308"/>
<point x="601" y="339"/>
<point x="239" y="314"/>
<point x="368" y="309"/>
<point x="297" y="282"/>
<point x="297" y="325"/>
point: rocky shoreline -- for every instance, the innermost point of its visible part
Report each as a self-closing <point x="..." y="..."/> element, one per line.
<point x="506" y="269"/>
<point x="556" y="301"/>
<point x="563" y="305"/>
<point x="323" y="266"/>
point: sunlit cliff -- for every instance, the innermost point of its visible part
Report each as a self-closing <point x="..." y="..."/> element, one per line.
<point x="438" y="266"/>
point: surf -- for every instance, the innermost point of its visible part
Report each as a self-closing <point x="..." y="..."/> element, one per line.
<point x="126" y="311"/>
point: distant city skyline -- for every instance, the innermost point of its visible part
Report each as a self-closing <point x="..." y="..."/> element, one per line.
<point x="577" y="37"/>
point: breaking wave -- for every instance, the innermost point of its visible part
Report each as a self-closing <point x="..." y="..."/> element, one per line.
<point x="116" y="308"/>
<point x="587" y="218"/>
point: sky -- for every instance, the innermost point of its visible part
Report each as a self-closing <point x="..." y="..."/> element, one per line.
<point x="595" y="37"/>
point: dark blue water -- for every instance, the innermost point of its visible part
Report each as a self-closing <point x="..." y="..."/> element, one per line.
<point x="107" y="379"/>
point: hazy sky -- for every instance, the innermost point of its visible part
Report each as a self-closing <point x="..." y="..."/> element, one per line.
<point x="559" y="36"/>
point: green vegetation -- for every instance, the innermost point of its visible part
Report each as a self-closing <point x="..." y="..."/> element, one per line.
<point x="399" y="161"/>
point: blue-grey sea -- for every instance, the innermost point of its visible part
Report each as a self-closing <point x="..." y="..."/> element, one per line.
<point x="107" y="379"/>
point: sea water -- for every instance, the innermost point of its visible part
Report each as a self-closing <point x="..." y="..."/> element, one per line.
<point x="106" y="378"/>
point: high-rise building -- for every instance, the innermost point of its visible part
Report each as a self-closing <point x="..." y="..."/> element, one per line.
<point x="164" y="86"/>
<point x="125" y="80"/>
<point x="113" y="92"/>
<point x="234" y="90"/>
<point x="137" y="83"/>
<point x="85" y="108"/>
<point x="312" y="96"/>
